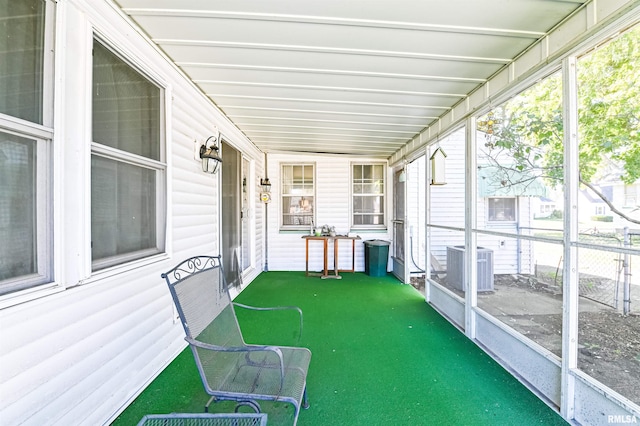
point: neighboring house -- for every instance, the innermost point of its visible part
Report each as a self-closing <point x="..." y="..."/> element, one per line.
<point x="627" y="199"/>
<point x="624" y="197"/>
<point x="590" y="205"/>
<point x="505" y="204"/>
<point x="544" y="207"/>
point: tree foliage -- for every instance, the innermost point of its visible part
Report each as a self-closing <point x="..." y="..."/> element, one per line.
<point x="528" y="129"/>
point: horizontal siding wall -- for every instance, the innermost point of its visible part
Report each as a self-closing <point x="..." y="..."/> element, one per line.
<point x="286" y="249"/>
<point x="80" y="356"/>
<point x="75" y="357"/>
<point x="447" y="209"/>
<point x="447" y="201"/>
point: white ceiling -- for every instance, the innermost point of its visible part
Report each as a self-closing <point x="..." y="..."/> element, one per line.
<point x="348" y="77"/>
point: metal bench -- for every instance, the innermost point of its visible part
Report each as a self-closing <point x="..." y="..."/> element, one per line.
<point x="206" y="419"/>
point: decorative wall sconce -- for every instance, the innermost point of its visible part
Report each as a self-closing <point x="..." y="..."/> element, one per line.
<point x="402" y="177"/>
<point x="265" y="196"/>
<point x="209" y="155"/>
<point x="265" y="184"/>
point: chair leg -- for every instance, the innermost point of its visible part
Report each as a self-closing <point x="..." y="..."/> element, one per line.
<point x="251" y="404"/>
<point x="305" y="401"/>
<point x="206" y="407"/>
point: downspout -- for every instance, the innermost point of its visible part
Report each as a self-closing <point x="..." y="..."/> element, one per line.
<point x="266" y="223"/>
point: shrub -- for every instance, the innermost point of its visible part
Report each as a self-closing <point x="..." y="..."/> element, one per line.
<point x="602" y="218"/>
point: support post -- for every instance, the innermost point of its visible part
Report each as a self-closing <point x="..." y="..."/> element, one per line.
<point x="470" y="236"/>
<point x="570" y="292"/>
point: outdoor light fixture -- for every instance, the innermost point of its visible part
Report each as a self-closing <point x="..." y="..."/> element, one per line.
<point x="209" y="155"/>
<point x="265" y="196"/>
<point x="265" y="184"/>
<point x="402" y="177"/>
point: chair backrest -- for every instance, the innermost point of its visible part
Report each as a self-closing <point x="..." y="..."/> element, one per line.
<point x="201" y="296"/>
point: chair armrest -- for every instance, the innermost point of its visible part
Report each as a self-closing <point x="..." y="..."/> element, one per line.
<point x="246" y="349"/>
<point x="275" y="308"/>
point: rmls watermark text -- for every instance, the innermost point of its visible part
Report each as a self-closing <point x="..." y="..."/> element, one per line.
<point x="622" y="419"/>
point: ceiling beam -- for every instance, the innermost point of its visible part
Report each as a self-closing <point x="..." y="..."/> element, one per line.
<point x="336" y="72"/>
<point x="326" y="20"/>
<point x="334" y="50"/>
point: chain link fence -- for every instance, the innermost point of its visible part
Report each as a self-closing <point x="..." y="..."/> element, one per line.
<point x="604" y="276"/>
<point x="600" y="272"/>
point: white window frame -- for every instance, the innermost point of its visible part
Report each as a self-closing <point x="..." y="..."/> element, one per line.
<point x="301" y="227"/>
<point x="352" y="195"/>
<point x="515" y="210"/>
<point x="18" y="289"/>
<point x="159" y="166"/>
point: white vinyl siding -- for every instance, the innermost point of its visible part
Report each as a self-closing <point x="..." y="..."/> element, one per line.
<point x="449" y="211"/>
<point x="286" y="249"/>
<point x="82" y="355"/>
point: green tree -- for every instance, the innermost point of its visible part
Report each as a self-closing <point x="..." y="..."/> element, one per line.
<point x="528" y="129"/>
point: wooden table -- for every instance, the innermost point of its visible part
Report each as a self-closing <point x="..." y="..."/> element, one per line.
<point x="325" y="240"/>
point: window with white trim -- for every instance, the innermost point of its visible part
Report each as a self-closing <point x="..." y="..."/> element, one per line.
<point x="298" y="196"/>
<point x="25" y="147"/>
<point x="367" y="195"/>
<point x="127" y="162"/>
<point x="502" y="209"/>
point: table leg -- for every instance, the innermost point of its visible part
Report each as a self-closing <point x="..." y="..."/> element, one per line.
<point x="335" y="257"/>
<point x="336" y="271"/>
<point x="353" y="255"/>
<point x="306" y="268"/>
<point x="326" y="271"/>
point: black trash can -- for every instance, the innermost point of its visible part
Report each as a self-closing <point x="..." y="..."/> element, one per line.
<point x="376" y="257"/>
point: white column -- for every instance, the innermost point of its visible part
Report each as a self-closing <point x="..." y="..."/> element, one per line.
<point x="470" y="237"/>
<point x="570" y="272"/>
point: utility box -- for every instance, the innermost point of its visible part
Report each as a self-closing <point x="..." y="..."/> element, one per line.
<point x="455" y="268"/>
<point x="376" y="257"/>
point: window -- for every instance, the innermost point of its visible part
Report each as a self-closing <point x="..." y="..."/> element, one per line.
<point x="630" y="196"/>
<point x="21" y="59"/>
<point x="127" y="162"/>
<point x="367" y="193"/>
<point x="298" y="196"/>
<point x="25" y="225"/>
<point x="502" y="209"/>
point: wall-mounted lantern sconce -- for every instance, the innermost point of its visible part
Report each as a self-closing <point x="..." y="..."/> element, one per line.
<point x="438" y="175"/>
<point x="265" y="184"/>
<point x="265" y="196"/>
<point x="402" y="177"/>
<point x="209" y="155"/>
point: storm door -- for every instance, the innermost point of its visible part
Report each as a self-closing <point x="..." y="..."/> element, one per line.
<point x="231" y="230"/>
<point x="400" y="265"/>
